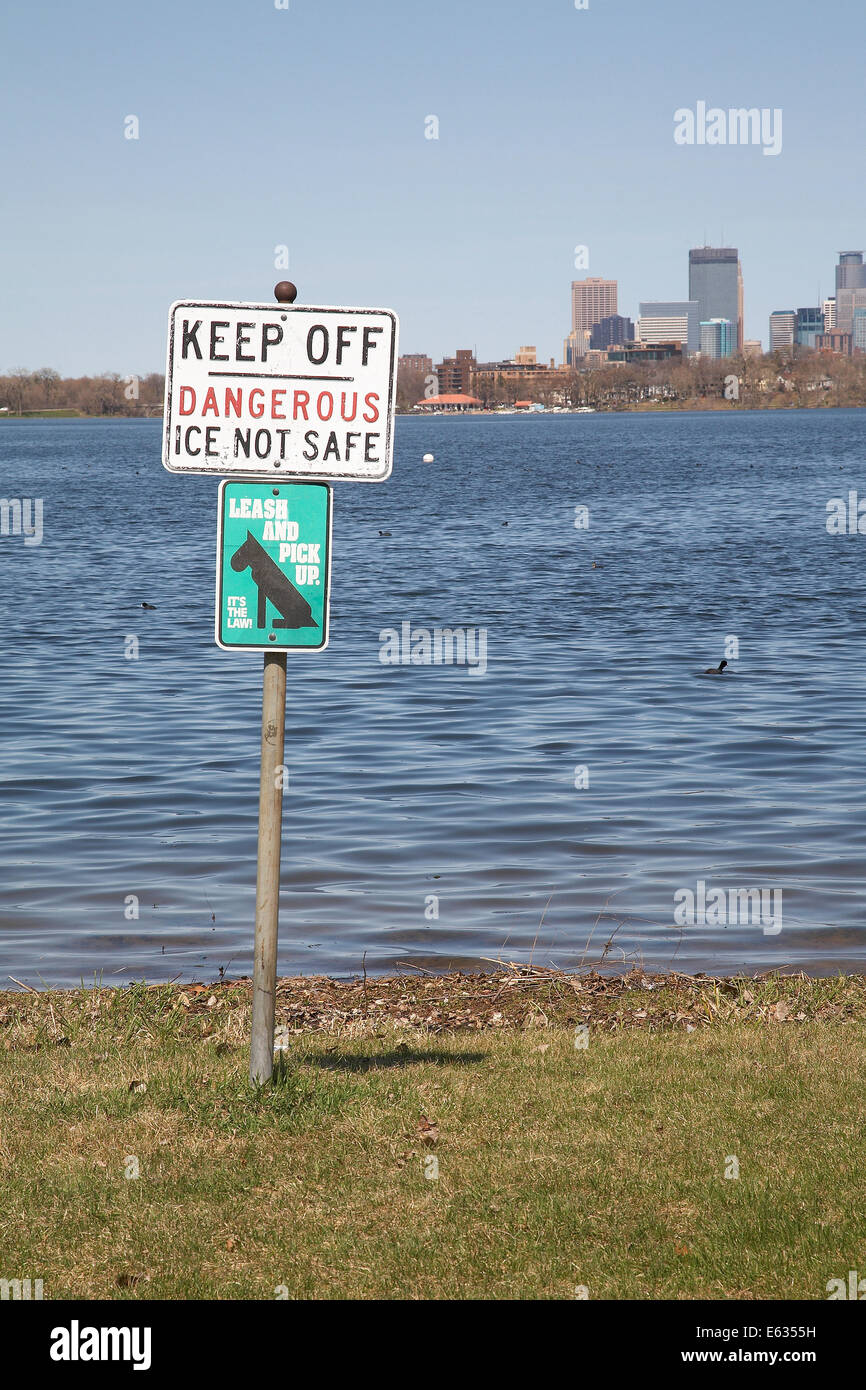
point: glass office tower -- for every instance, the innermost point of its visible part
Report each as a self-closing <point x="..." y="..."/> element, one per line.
<point x="717" y="338"/>
<point x="810" y="322"/>
<point x="715" y="282"/>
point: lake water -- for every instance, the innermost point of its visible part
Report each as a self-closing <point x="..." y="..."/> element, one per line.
<point x="126" y="779"/>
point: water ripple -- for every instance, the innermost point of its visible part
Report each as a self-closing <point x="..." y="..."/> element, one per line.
<point x="432" y="816"/>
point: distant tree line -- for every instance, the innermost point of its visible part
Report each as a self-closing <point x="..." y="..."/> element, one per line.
<point x="23" y="392"/>
<point x="793" y="378"/>
<point x="798" y="378"/>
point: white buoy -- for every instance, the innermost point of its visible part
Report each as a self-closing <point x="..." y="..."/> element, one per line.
<point x="428" y="458"/>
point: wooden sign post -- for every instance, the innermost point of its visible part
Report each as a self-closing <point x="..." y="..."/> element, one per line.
<point x="268" y="873"/>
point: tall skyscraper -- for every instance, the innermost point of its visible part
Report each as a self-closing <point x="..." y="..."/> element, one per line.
<point x="829" y="307"/>
<point x="716" y="282"/>
<point x="717" y="338"/>
<point x="591" y="301"/>
<point x="850" y="277"/>
<point x="783" y="329"/>
<point x="850" y="272"/>
<point x="847" y="300"/>
<point x="671" y="320"/>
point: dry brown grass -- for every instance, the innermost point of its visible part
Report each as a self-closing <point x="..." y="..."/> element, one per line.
<point x="558" y="1166"/>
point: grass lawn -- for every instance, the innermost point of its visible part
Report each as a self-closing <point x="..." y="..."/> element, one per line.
<point x="42" y="415"/>
<point x="559" y="1166"/>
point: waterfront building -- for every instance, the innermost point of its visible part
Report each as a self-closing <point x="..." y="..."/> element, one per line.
<point x="455" y="373"/>
<point x="415" y="362"/>
<point x="717" y="338"/>
<point x="526" y="376"/>
<point x="513" y="369"/>
<point x="783" y="329"/>
<point x="452" y="401"/>
<point x="716" y="282"/>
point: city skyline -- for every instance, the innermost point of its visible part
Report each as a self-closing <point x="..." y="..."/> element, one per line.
<point x="715" y="282"/>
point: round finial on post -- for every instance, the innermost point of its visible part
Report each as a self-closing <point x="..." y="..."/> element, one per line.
<point x="285" y="292"/>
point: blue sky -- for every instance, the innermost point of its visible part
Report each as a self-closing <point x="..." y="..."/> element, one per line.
<point x="305" y="127"/>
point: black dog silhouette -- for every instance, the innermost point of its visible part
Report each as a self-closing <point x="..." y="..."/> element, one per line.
<point x="274" y="585"/>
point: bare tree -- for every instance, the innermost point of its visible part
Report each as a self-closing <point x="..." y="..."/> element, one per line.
<point x="18" y="387"/>
<point x="48" y="379"/>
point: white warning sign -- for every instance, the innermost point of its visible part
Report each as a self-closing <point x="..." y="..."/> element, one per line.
<point x="275" y="390"/>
